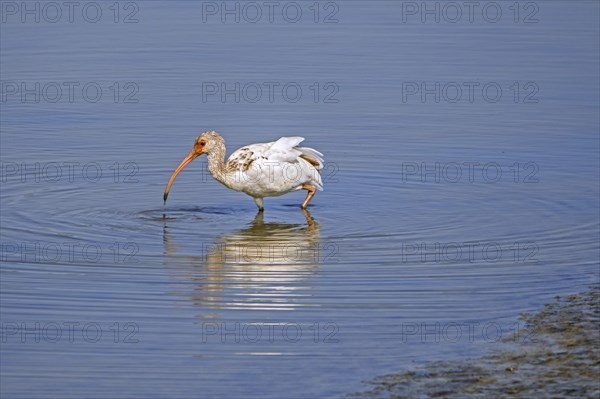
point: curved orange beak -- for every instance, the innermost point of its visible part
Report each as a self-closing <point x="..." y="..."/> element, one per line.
<point x="194" y="153"/>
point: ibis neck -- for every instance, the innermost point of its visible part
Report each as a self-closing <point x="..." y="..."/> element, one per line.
<point x="216" y="165"/>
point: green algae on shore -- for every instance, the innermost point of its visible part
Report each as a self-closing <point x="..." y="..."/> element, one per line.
<point x="562" y="361"/>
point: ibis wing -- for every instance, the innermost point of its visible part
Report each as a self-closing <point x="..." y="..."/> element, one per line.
<point x="282" y="150"/>
<point x="286" y="143"/>
<point x="242" y="159"/>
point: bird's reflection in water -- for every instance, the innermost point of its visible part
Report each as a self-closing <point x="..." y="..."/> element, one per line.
<point x="263" y="266"/>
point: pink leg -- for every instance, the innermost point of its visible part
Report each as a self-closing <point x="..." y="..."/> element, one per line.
<point x="311" y="193"/>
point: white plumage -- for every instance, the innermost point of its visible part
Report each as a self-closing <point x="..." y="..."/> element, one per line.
<point x="260" y="170"/>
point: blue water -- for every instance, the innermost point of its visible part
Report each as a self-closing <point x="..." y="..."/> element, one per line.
<point x="461" y="189"/>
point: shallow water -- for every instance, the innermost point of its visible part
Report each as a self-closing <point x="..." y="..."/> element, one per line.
<point x="560" y="340"/>
<point x="440" y="222"/>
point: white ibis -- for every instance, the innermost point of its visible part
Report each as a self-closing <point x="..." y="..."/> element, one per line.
<point x="259" y="170"/>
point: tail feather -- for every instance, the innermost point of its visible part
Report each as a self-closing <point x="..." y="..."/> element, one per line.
<point x="315" y="158"/>
<point x="312" y="155"/>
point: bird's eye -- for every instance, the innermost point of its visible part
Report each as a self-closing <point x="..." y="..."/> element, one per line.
<point x="203" y="143"/>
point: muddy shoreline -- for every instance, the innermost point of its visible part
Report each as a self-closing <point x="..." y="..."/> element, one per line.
<point x="560" y="360"/>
